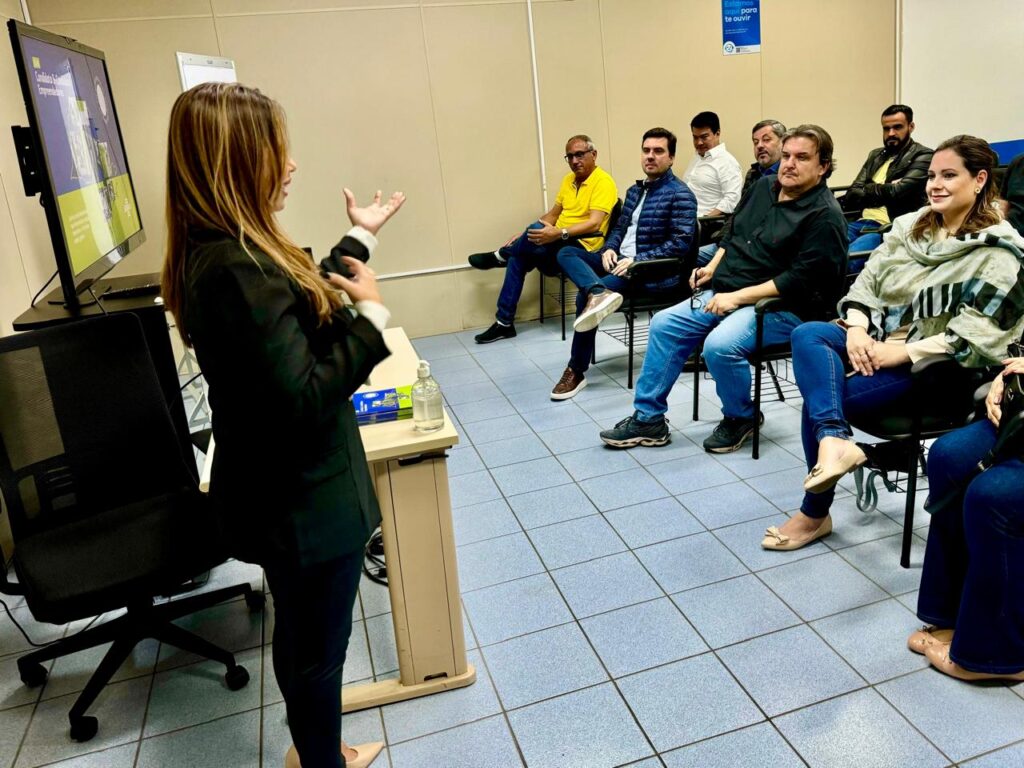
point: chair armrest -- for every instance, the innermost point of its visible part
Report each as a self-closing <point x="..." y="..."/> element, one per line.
<point x="931" y="365"/>
<point x="652" y="269"/>
<point x="982" y="392"/>
<point x="771" y="304"/>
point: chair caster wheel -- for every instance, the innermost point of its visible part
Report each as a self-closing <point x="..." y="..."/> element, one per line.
<point x="255" y="601"/>
<point x="84" y="728"/>
<point x="236" y="678"/>
<point x="33" y="675"/>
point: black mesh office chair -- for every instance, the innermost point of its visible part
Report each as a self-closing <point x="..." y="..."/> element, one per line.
<point x="104" y="511"/>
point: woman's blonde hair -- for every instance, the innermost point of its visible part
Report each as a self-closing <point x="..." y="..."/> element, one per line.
<point x="227" y="155"/>
<point x="977" y="156"/>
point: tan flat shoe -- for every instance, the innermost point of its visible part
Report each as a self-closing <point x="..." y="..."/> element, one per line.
<point x="919" y="641"/>
<point x="823" y="477"/>
<point x="773" y="539"/>
<point x="938" y="655"/>
<point x="365" y="754"/>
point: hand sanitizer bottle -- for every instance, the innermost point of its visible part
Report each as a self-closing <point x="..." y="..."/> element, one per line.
<point x="427" y="411"/>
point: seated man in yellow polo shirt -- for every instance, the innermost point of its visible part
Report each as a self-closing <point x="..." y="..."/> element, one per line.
<point x="585" y="199"/>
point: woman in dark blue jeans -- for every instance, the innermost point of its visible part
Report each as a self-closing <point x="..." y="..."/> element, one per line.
<point x="934" y="286"/>
<point x="974" y="563"/>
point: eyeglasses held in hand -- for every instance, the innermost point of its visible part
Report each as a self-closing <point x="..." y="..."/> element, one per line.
<point x="576" y="155"/>
<point x="698" y="299"/>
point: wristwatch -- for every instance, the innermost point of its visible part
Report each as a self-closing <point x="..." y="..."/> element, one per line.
<point x="565" y="233"/>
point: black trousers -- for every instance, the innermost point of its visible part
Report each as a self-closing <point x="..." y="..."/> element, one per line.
<point x="312" y="624"/>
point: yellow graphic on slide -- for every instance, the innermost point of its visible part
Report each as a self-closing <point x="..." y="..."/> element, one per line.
<point x="97" y="218"/>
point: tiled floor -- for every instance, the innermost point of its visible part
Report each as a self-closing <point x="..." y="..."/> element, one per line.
<point x="619" y="611"/>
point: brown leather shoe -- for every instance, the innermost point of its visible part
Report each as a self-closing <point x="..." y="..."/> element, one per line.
<point x="567" y="386"/>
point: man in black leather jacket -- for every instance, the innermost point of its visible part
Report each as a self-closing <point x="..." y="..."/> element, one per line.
<point x="891" y="181"/>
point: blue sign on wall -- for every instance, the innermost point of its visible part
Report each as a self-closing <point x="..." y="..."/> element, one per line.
<point x="741" y="26"/>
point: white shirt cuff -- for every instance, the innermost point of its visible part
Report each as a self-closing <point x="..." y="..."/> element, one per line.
<point x="932" y="345"/>
<point x="375" y="312"/>
<point x="364" y="236"/>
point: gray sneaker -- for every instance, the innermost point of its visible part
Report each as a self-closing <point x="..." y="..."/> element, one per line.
<point x="730" y="434"/>
<point x="630" y="433"/>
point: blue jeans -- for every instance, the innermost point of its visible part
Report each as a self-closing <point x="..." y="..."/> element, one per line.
<point x="522" y="257"/>
<point x="706" y="254"/>
<point x="974" y="561"/>
<point x="861" y="242"/>
<point x="830" y="396"/>
<point x="728" y="342"/>
<point x="585" y="270"/>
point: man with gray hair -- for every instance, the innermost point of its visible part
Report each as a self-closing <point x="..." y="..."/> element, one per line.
<point x="578" y="218"/>
<point x="788" y="239"/>
<point x="767" y="139"/>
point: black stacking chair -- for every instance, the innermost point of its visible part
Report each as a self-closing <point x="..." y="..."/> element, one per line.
<point x="105" y="512"/>
<point x="762" y="360"/>
<point x="942" y="399"/>
<point x="554" y="270"/>
<point x="637" y="303"/>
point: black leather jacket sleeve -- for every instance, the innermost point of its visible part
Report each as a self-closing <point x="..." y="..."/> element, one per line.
<point x="903" y="190"/>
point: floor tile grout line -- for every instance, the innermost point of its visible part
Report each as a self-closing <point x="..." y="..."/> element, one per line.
<point x="802" y="621"/>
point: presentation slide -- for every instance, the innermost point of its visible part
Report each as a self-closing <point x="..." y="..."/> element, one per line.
<point x="95" y="198"/>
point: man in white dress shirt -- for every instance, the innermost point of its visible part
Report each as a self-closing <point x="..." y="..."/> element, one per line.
<point x="714" y="176"/>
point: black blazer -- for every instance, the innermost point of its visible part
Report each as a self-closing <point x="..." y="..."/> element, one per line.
<point x="289" y="482"/>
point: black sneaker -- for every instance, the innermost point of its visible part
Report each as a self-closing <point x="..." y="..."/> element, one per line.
<point x="487" y="260"/>
<point x="495" y="332"/>
<point x="630" y="433"/>
<point x="730" y="434"/>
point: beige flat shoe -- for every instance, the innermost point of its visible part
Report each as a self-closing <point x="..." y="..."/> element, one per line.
<point x="938" y="655"/>
<point x="773" y="539"/>
<point x="919" y="641"/>
<point x="365" y="754"/>
<point x="823" y="477"/>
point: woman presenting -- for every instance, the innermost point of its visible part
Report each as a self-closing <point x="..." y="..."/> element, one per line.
<point x="282" y="356"/>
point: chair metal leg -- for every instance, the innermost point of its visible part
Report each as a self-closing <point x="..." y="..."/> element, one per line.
<point x="561" y="281"/>
<point x="540" y="276"/>
<point x="629" y="363"/>
<point x="697" y="353"/>
<point x="759" y="342"/>
<point x="757" y="407"/>
<point x="775" y="381"/>
<point x="908" y="512"/>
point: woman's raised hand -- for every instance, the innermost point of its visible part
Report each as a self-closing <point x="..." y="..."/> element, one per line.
<point x="373" y="216"/>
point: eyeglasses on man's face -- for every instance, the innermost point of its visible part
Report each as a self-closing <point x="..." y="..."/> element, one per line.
<point x="576" y="155"/>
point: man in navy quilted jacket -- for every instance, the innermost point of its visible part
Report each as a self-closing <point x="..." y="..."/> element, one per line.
<point x="657" y="222"/>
